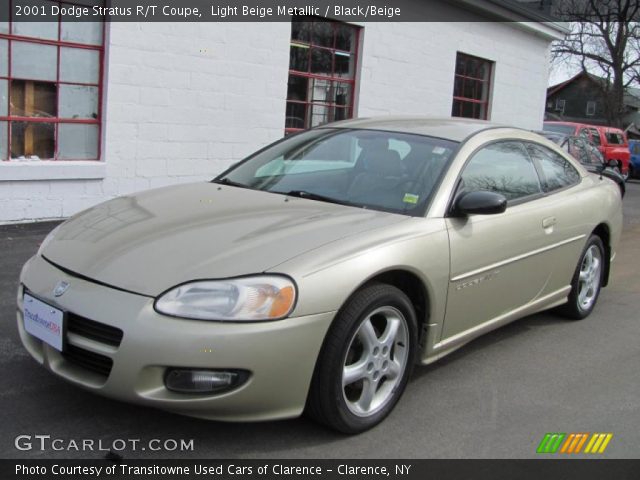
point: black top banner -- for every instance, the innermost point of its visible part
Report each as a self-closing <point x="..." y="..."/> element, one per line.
<point x="271" y="10"/>
<point x="322" y="469"/>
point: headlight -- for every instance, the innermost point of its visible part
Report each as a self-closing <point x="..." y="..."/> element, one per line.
<point x="263" y="297"/>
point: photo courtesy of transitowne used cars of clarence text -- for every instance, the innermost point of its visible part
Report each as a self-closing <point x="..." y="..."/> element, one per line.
<point x="315" y="274"/>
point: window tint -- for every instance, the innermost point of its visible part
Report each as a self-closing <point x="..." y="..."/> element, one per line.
<point x="557" y="171"/>
<point x="595" y="137"/>
<point x="503" y="168"/>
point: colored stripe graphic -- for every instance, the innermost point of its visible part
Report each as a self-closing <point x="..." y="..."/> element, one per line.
<point x="573" y="443"/>
<point x="598" y="443"/>
<point x="551" y="442"/>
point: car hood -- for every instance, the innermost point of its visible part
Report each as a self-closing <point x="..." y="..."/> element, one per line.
<point x="152" y="241"/>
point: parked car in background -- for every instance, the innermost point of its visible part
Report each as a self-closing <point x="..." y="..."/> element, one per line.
<point x="612" y="142"/>
<point x="588" y="155"/>
<point x="567" y="128"/>
<point x="317" y="272"/>
<point x="634" y="162"/>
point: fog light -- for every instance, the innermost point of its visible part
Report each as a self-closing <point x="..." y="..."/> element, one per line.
<point x="204" y="381"/>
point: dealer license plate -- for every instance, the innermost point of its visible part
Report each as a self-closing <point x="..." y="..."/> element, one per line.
<point x="43" y="321"/>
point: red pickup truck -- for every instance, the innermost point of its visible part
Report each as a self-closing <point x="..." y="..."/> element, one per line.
<point x="612" y="142"/>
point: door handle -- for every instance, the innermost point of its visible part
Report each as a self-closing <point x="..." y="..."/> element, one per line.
<point x="549" y="222"/>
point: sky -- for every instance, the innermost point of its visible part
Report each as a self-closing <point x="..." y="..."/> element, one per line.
<point x="558" y="74"/>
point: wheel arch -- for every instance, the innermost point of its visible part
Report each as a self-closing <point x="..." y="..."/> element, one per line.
<point x="604" y="233"/>
<point x="414" y="288"/>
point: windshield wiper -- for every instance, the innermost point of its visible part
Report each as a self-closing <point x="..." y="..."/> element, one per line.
<point x="316" y="196"/>
<point x="231" y="183"/>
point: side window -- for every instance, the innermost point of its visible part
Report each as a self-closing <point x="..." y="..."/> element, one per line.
<point x="503" y="168"/>
<point x="614" y="138"/>
<point x="595" y="156"/>
<point x="557" y="171"/>
<point x="595" y="137"/>
<point x="577" y="149"/>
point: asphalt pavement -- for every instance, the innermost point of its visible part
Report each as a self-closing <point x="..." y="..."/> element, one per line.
<point x="494" y="398"/>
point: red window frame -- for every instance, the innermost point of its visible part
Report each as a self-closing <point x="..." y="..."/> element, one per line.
<point x="59" y="44"/>
<point x="308" y="103"/>
<point x="477" y="82"/>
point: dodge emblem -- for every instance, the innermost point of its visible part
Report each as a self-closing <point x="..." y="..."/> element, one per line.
<point x="60" y="289"/>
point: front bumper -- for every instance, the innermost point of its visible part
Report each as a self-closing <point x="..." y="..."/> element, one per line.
<point x="280" y="355"/>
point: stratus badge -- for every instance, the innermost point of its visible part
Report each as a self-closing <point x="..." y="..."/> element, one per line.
<point x="60" y="288"/>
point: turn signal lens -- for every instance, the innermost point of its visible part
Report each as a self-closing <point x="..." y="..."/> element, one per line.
<point x="282" y="303"/>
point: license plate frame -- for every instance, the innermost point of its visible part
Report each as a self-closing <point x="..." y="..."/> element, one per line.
<point x="44" y="321"/>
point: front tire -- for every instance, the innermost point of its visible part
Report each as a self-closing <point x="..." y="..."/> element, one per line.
<point x="587" y="281"/>
<point x="366" y="360"/>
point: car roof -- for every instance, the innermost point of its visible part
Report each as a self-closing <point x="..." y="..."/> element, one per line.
<point x="456" y="129"/>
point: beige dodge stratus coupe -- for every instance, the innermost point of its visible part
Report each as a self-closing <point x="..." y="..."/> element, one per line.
<point x="317" y="272"/>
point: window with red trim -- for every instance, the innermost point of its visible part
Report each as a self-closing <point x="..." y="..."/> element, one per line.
<point x="472" y="87"/>
<point x="322" y="72"/>
<point x="50" y="86"/>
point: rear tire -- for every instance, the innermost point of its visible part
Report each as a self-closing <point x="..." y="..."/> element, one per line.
<point x="587" y="281"/>
<point x="366" y="360"/>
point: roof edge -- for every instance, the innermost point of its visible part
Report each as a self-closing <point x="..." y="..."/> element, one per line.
<point x="526" y="17"/>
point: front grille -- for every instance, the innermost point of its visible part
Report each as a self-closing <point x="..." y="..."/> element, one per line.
<point x="95" y="331"/>
<point x="91" y="361"/>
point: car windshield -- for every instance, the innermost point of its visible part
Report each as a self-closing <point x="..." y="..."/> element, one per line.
<point x="558" y="127"/>
<point x="388" y="171"/>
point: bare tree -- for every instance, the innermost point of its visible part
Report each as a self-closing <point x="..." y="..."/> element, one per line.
<point x="605" y="41"/>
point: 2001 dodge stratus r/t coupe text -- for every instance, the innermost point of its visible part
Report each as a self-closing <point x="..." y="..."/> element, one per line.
<point x="315" y="274"/>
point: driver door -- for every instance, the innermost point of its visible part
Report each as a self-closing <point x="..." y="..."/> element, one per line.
<point x="494" y="265"/>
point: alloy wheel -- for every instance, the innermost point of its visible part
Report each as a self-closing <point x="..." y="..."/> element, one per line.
<point x="375" y="361"/>
<point x="589" y="277"/>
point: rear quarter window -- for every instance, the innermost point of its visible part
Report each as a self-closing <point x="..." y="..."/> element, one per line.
<point x="557" y="171"/>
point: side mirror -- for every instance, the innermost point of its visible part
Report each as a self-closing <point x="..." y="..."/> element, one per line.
<point x="480" y="203"/>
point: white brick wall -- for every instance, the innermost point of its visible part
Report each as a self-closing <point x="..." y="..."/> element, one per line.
<point x="184" y="101"/>
<point x="408" y="68"/>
